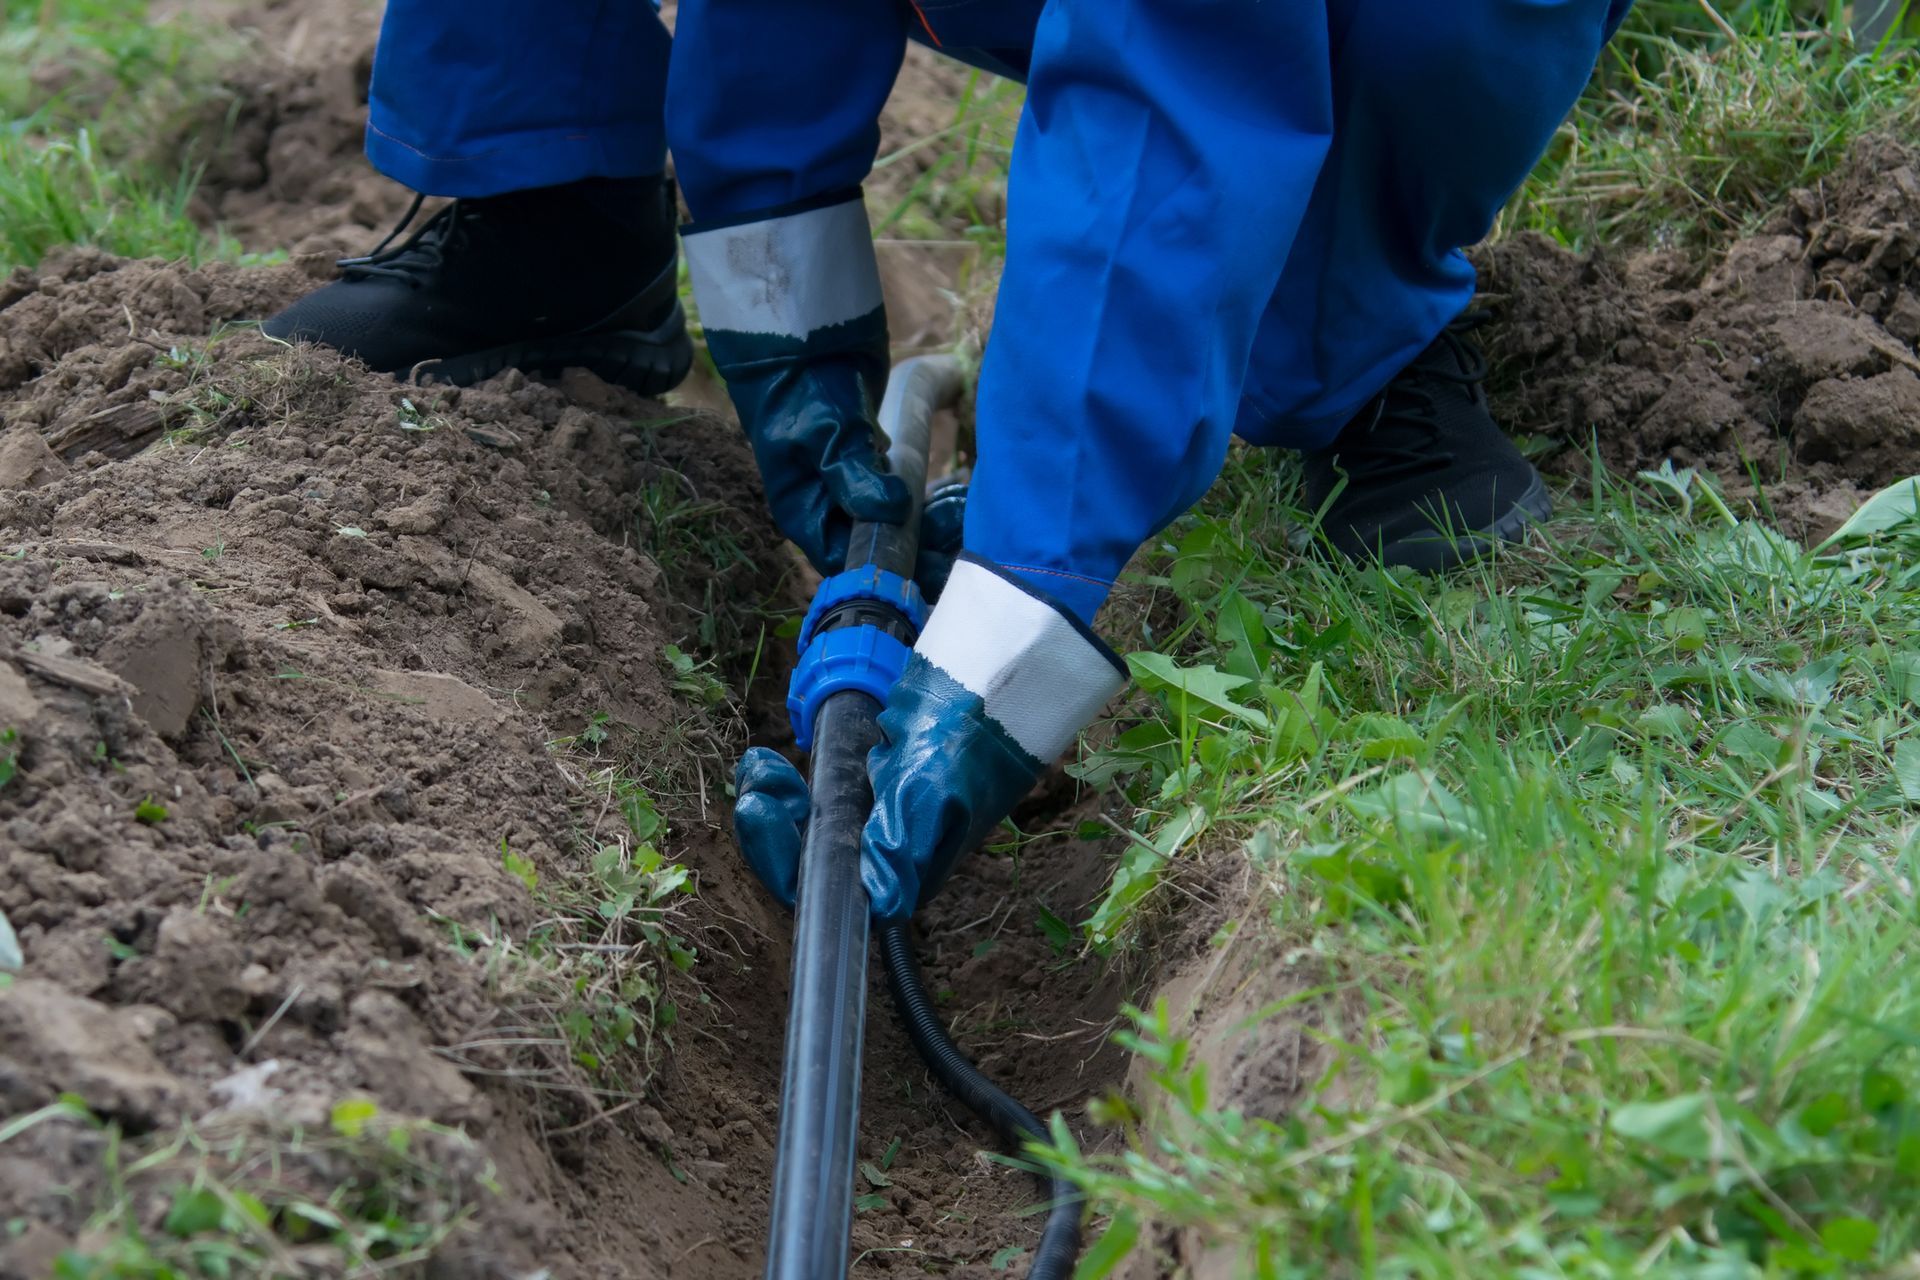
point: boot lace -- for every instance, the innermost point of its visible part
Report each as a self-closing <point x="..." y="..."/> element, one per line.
<point x="1403" y="432"/>
<point x="416" y="260"/>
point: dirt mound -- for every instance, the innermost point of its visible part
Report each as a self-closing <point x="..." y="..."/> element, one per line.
<point x="327" y="696"/>
<point x="282" y="688"/>
<point x="280" y="148"/>
<point x="1787" y="369"/>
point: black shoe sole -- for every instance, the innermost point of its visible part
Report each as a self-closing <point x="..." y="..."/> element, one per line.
<point x="650" y="362"/>
<point x="1438" y="552"/>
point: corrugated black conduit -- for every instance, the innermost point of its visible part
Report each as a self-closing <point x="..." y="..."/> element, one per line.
<point x="1060" y="1241"/>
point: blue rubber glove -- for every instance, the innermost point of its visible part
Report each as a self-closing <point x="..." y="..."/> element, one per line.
<point x="999" y="686"/>
<point x="942" y="524"/>
<point x="791" y="308"/>
<point x="769" y="818"/>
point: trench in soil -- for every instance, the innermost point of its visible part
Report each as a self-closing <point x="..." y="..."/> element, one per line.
<point x="289" y="681"/>
<point x="311" y="673"/>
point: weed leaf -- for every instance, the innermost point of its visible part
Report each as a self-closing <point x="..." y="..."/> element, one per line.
<point x="1897" y="504"/>
<point x="1107" y="1252"/>
<point x="350" y="1116"/>
<point x="194" y="1210"/>
<point x="1159" y="673"/>
<point x="1243" y="631"/>
<point x="1906" y="768"/>
<point x="1677" y="1126"/>
<point x="1139" y="871"/>
<point x="1417" y="801"/>
<point x="1850" y="1238"/>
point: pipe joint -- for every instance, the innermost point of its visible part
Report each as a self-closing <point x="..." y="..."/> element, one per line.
<point x="865" y="582"/>
<point x="857" y="635"/>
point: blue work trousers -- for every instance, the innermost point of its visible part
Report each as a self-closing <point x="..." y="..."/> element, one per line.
<point x="1224" y="215"/>
<point x="491" y="96"/>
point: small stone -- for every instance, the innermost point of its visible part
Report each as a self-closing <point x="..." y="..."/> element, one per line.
<point x="1903" y="319"/>
<point x="494" y="438"/>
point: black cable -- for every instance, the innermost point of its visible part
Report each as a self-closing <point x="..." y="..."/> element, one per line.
<point x="1060" y="1242"/>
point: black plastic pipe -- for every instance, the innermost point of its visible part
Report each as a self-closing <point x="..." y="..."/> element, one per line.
<point x="820" y="1085"/>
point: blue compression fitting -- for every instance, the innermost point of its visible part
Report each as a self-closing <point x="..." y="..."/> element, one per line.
<point x="862" y="658"/>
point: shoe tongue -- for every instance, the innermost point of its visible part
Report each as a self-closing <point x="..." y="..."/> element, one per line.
<point x="1443" y="356"/>
<point x="590" y="206"/>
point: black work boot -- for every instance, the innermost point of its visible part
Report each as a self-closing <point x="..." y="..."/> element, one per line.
<point x="582" y="275"/>
<point x="1431" y="481"/>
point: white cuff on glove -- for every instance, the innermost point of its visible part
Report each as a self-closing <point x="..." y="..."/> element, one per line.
<point x="1042" y="674"/>
<point x="787" y="276"/>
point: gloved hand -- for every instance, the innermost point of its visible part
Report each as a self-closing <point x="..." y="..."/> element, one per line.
<point x="810" y="421"/>
<point x="999" y="685"/>
<point x="770" y="818"/>
<point x="793" y="318"/>
<point x="942" y="525"/>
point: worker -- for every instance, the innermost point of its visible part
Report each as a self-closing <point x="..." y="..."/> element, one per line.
<point x="1224" y="218"/>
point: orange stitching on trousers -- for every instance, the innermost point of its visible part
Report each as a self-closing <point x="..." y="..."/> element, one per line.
<point x="931" y="33"/>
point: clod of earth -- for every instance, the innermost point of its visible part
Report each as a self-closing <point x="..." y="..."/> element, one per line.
<point x="1787" y="370"/>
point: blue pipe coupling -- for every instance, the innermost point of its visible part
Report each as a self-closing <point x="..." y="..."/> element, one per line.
<point x="863" y="657"/>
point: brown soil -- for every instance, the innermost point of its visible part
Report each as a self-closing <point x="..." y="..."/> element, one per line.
<point x="1786" y="369"/>
<point x="284" y="167"/>
<point x="334" y="649"/>
<point x="287" y="647"/>
<point x="333" y="637"/>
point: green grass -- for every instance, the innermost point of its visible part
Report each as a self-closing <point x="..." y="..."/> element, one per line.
<point x="1594" y="870"/>
<point x="962" y="190"/>
<point x="1697" y="123"/>
<point x="63" y="193"/>
<point x="96" y="104"/>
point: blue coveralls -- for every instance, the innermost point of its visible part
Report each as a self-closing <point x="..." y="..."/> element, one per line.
<point x="1236" y="216"/>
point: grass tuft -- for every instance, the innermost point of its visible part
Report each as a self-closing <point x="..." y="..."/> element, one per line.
<point x="584" y="1013"/>
<point x="62" y="193"/>
<point x="1694" y="130"/>
<point x="97" y="99"/>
